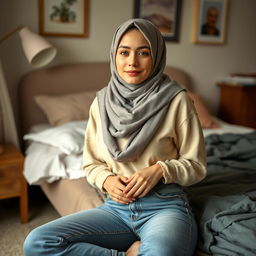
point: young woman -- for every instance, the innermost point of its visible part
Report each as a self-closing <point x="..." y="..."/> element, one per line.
<point x="143" y="143"/>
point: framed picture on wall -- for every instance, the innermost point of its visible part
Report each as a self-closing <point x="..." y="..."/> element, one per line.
<point x="165" y="14"/>
<point x="67" y="18"/>
<point x="209" y="21"/>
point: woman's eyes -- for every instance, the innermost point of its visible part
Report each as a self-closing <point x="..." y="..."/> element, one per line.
<point x="144" y="53"/>
<point x="124" y="53"/>
<point x="139" y="53"/>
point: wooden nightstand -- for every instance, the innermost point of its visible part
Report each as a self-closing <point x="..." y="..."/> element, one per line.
<point x="238" y="104"/>
<point x="12" y="182"/>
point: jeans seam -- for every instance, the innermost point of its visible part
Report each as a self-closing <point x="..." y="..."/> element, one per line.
<point x="187" y="206"/>
<point x="95" y="233"/>
<point x="190" y="231"/>
<point x="139" y="209"/>
<point x="132" y="224"/>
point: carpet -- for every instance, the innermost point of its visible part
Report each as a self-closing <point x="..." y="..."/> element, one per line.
<point x="12" y="232"/>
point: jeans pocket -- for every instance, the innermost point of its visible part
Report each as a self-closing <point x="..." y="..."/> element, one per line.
<point x="168" y="197"/>
<point x="168" y="191"/>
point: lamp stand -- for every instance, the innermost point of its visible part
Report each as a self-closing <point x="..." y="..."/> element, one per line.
<point x="39" y="53"/>
<point x="10" y="33"/>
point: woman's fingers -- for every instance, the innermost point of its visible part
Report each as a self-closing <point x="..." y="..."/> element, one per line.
<point x="137" y="184"/>
<point x="120" y="198"/>
<point x="115" y="186"/>
<point x="124" y="190"/>
<point x="130" y="185"/>
<point x="139" y="189"/>
<point x="140" y="183"/>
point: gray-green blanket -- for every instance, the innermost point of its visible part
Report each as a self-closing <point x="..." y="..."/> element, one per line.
<point x="225" y="202"/>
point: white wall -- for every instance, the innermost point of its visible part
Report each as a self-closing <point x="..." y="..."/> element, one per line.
<point x="205" y="63"/>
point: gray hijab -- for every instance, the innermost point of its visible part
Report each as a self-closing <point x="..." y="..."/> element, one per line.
<point x="135" y="111"/>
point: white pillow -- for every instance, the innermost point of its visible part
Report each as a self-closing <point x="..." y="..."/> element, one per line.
<point x="69" y="138"/>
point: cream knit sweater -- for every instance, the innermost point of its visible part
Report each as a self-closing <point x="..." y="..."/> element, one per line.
<point x="178" y="146"/>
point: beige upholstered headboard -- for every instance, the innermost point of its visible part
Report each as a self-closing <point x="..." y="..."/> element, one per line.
<point x="65" y="79"/>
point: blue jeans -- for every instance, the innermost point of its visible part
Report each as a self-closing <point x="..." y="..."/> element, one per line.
<point x="162" y="221"/>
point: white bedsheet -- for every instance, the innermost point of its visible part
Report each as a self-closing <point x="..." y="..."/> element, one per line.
<point x="45" y="162"/>
<point x="54" y="153"/>
<point x="58" y="156"/>
<point x="226" y="128"/>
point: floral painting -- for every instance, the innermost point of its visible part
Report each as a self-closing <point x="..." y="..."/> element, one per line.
<point x="63" y="12"/>
<point x="63" y="18"/>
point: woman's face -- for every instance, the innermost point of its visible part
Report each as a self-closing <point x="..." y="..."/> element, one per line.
<point x="133" y="57"/>
<point x="212" y="17"/>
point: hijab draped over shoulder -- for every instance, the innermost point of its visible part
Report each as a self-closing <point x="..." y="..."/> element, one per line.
<point x="135" y="111"/>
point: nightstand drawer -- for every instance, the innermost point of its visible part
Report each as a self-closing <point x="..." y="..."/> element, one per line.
<point x="238" y="104"/>
<point x="9" y="181"/>
<point x="9" y="173"/>
<point x="12" y="182"/>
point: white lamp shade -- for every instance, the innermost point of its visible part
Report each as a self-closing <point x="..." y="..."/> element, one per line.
<point x="37" y="50"/>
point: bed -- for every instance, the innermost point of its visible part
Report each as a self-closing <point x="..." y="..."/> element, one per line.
<point x="54" y="106"/>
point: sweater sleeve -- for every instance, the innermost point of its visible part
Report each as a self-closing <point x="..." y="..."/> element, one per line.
<point x="93" y="164"/>
<point x="190" y="165"/>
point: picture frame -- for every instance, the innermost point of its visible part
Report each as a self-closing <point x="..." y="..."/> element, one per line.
<point x="165" y="14"/>
<point x="209" y="21"/>
<point x="64" y="18"/>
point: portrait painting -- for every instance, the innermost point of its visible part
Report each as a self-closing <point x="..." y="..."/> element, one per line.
<point x="209" y="21"/>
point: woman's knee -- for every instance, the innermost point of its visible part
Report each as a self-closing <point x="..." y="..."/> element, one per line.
<point x="32" y="241"/>
<point x="39" y="241"/>
<point x="159" y="247"/>
<point x="169" y="235"/>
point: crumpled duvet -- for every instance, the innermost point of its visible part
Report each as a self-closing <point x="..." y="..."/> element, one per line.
<point x="225" y="202"/>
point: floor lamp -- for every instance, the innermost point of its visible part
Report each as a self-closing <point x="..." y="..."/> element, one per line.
<point x="38" y="53"/>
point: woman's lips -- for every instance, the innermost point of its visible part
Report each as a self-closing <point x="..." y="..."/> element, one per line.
<point x="132" y="73"/>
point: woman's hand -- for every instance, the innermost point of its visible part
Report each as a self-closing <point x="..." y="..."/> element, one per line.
<point x="115" y="186"/>
<point x="142" y="181"/>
